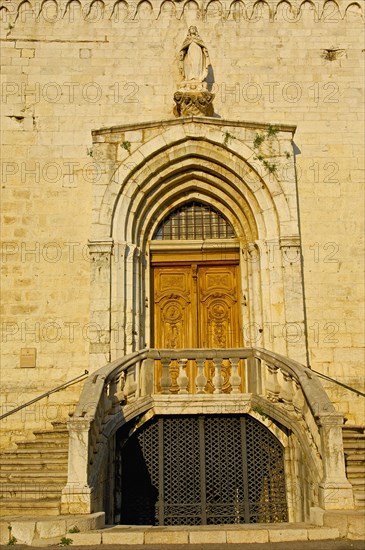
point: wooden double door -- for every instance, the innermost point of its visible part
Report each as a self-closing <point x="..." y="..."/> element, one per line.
<point x="196" y="305"/>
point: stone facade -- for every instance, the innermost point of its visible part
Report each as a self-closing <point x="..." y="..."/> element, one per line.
<point x="112" y="68"/>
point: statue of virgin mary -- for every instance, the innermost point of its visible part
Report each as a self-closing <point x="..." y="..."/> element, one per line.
<point x="194" y="57"/>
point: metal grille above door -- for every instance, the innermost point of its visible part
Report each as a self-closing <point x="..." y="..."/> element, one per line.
<point x="194" y="221"/>
<point x="202" y="470"/>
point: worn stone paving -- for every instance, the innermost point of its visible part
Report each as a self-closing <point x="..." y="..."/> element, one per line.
<point x="305" y="545"/>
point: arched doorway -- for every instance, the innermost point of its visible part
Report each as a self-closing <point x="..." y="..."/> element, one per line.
<point x="201" y="470"/>
<point x="196" y="280"/>
<point x="195" y="285"/>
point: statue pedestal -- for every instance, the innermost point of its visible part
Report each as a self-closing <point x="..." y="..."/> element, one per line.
<point x="189" y="102"/>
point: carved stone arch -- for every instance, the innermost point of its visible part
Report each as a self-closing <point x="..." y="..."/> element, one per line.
<point x="282" y="11"/>
<point x="235" y="157"/>
<point x="44" y="13"/>
<point x="354" y="11"/>
<point x="96" y="11"/>
<point x="330" y="12"/>
<point x="161" y="211"/>
<point x="167" y="8"/>
<point x="144" y="10"/>
<point x="25" y="13"/>
<point x="195" y="160"/>
<point x="308" y="8"/>
<point x="214" y="10"/>
<point x="237" y="10"/>
<point x="303" y="466"/>
<point x="115" y="14"/>
<point x="261" y="11"/>
<point x="195" y="184"/>
<point x="4" y="14"/>
<point x="191" y="11"/>
<point x="73" y="10"/>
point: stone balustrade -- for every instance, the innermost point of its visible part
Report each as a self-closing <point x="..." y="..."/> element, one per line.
<point x="277" y="387"/>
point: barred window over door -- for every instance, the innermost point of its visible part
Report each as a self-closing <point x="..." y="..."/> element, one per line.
<point x="194" y="221"/>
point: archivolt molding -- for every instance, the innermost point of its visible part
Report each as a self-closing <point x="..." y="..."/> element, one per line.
<point x="122" y="12"/>
<point x="164" y="171"/>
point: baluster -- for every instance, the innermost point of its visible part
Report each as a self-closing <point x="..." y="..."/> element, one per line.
<point x="298" y="398"/>
<point x="201" y="379"/>
<point x="286" y="392"/>
<point x="111" y="398"/>
<point x="235" y="379"/>
<point x="272" y="387"/>
<point x="165" y="381"/>
<point x="182" y="379"/>
<point x="130" y="385"/>
<point x="217" y="378"/>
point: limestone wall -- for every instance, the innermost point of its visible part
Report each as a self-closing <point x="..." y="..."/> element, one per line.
<point x="72" y="67"/>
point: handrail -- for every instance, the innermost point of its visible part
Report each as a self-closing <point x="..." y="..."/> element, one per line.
<point x="94" y="386"/>
<point x="325" y="377"/>
<point x="46" y="394"/>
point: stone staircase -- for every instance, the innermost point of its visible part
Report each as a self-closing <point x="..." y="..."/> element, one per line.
<point x="33" y="475"/>
<point x="354" y="447"/>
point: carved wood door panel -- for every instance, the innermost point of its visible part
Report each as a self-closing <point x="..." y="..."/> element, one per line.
<point x="174" y="308"/>
<point x="196" y="306"/>
<point x="218" y="312"/>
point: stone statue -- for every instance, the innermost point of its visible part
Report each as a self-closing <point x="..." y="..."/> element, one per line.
<point x="192" y="97"/>
<point x="194" y="58"/>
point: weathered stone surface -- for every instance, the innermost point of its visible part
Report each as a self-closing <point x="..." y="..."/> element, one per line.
<point x="85" y="539"/>
<point x="323" y="533"/>
<point x="205" y="537"/>
<point x="50" y="529"/>
<point x="123" y="537"/>
<point x="167" y="536"/>
<point x="242" y="536"/>
<point x="286" y="535"/>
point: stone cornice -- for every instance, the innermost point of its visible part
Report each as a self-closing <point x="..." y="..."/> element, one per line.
<point x="234" y="10"/>
<point x="193" y="119"/>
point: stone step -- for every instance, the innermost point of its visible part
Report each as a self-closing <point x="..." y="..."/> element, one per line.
<point x="355" y="468"/>
<point x="358" y="484"/>
<point x="17" y="506"/>
<point x="357" y="428"/>
<point x="351" y="444"/>
<point x="61" y="430"/>
<point x="43" y="445"/>
<point x="34" y="463"/>
<point x="29" y="493"/>
<point x="36" y="453"/>
<point x="207" y="534"/>
<point x="35" y="477"/>
<point x="355" y="455"/>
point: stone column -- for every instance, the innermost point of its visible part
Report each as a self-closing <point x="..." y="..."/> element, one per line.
<point x="118" y="309"/>
<point x="98" y="331"/>
<point x="335" y="491"/>
<point x="77" y="495"/>
<point x="294" y="330"/>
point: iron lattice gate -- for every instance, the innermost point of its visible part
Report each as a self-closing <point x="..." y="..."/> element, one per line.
<point x="202" y="470"/>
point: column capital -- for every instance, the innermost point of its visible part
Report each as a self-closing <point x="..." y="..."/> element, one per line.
<point x="101" y="246"/>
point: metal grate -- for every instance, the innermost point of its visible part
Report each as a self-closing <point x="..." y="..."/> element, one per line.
<point x="203" y="470"/>
<point x="194" y="221"/>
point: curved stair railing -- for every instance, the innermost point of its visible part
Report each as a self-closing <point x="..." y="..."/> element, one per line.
<point x="279" y="387"/>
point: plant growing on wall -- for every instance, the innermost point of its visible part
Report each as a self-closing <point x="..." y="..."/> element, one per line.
<point x="259" y="139"/>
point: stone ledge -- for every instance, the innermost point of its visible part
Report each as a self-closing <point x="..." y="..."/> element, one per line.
<point x="35" y="530"/>
<point x="43" y="531"/>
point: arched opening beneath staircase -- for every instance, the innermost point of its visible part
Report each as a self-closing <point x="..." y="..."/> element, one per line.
<point x="200" y="470"/>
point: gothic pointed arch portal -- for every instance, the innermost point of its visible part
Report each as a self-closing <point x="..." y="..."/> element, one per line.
<point x="149" y="171"/>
